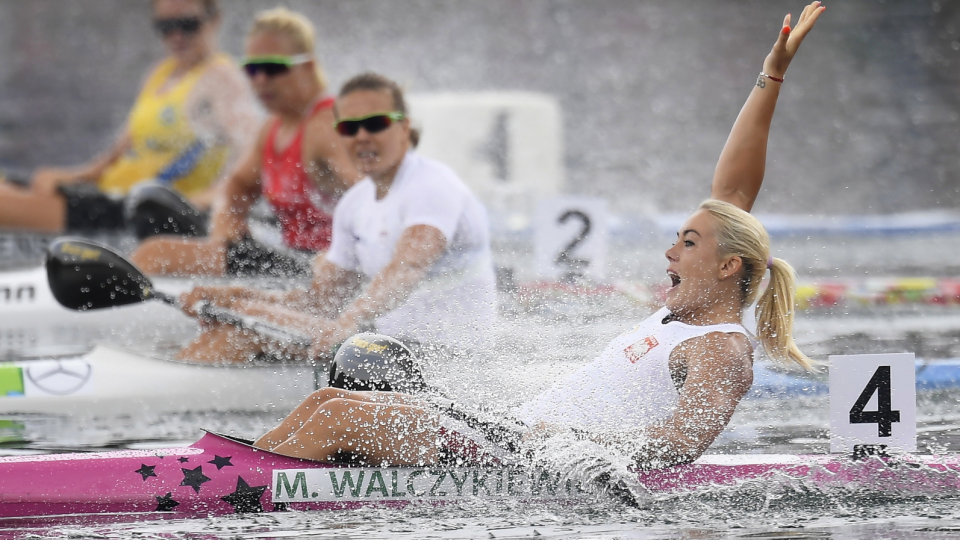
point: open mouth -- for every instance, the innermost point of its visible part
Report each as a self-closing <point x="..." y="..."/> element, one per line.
<point x="674" y="278"/>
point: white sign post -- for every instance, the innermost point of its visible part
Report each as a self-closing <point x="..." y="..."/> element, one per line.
<point x="506" y="146"/>
<point x="873" y="402"/>
<point x="571" y="237"/>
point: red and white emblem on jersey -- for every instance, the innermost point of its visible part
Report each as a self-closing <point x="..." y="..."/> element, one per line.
<point x="636" y="351"/>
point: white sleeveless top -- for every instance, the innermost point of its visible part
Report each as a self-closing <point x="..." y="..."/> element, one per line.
<point x="627" y="387"/>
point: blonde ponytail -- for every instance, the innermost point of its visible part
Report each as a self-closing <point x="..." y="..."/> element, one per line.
<point x="775" y="316"/>
<point x="742" y="235"/>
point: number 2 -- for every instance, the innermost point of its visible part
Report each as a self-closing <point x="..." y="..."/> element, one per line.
<point x="564" y="258"/>
<point x="883" y="416"/>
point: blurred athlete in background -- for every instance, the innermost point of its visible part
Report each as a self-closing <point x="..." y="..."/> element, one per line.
<point x="410" y="254"/>
<point x="194" y="113"/>
<point x="298" y="165"/>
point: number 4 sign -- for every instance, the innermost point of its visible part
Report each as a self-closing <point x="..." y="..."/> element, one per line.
<point x="873" y="401"/>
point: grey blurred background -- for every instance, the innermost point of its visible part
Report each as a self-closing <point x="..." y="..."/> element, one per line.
<point x="868" y="121"/>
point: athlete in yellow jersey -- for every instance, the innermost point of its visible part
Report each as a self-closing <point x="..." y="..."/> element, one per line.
<point x="194" y="113"/>
<point x="163" y="144"/>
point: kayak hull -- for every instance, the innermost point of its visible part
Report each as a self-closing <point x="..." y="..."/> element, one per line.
<point x="110" y="381"/>
<point x="220" y="475"/>
<point x="188" y="481"/>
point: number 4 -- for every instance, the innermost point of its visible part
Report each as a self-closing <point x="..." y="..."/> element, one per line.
<point x="883" y="416"/>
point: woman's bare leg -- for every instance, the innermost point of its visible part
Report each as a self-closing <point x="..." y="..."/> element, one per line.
<point x="300" y="415"/>
<point x="25" y="209"/>
<point x="382" y="434"/>
<point x="181" y="256"/>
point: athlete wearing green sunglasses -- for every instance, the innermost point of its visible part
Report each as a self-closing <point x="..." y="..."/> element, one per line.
<point x="273" y="64"/>
<point x="373" y="123"/>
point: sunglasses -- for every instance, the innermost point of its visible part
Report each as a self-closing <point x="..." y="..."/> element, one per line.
<point x="273" y="65"/>
<point x="185" y="25"/>
<point x="375" y="123"/>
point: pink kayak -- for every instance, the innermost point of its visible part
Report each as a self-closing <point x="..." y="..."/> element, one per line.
<point x="219" y="475"/>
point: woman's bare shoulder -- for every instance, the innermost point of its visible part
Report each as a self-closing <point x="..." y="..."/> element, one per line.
<point x="320" y="134"/>
<point x="718" y="350"/>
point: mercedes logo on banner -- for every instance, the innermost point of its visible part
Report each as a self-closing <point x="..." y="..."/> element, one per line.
<point x="58" y="377"/>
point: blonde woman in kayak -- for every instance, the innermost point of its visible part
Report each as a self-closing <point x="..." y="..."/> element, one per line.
<point x="193" y="114"/>
<point x="663" y="391"/>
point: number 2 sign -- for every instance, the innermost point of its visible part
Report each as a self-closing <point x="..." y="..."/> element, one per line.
<point x="873" y="401"/>
<point x="571" y="237"/>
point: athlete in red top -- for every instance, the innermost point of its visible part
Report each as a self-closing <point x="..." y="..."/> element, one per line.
<point x="298" y="165"/>
<point x="305" y="212"/>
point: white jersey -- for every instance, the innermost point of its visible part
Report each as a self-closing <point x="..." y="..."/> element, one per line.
<point x="455" y="305"/>
<point x="627" y="387"/>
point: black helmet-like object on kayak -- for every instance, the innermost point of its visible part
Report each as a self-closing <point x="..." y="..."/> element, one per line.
<point x="151" y="209"/>
<point x="371" y="361"/>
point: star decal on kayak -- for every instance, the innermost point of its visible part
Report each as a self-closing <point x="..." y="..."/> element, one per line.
<point x="221" y="462"/>
<point x="194" y="478"/>
<point x="166" y="503"/>
<point x="183" y="459"/>
<point x="146" y="471"/>
<point x="245" y="498"/>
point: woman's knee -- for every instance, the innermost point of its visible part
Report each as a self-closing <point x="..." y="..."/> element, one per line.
<point x="326" y="394"/>
<point x="344" y="412"/>
<point x="340" y="406"/>
<point x="329" y="393"/>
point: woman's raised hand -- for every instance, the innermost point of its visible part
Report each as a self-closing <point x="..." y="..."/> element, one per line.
<point x="789" y="41"/>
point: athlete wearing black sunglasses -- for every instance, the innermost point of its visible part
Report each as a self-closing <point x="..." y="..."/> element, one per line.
<point x="273" y="65"/>
<point x="194" y="113"/>
<point x="410" y="251"/>
<point x="298" y="166"/>
<point x="167" y="23"/>
<point x="183" y="25"/>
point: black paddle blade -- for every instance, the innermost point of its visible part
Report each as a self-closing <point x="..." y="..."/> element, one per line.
<point x="84" y="275"/>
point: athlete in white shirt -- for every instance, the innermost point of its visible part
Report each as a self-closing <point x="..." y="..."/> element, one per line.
<point x="454" y="303"/>
<point x="664" y="390"/>
<point x="410" y="253"/>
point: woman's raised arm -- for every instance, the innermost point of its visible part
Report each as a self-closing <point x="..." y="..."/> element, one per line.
<point x="739" y="172"/>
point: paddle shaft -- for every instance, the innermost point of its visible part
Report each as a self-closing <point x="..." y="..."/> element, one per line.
<point x="206" y="310"/>
<point x="503" y="434"/>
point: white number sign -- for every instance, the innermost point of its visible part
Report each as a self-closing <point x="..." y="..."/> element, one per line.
<point x="873" y="401"/>
<point x="506" y="146"/>
<point x="571" y="237"/>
